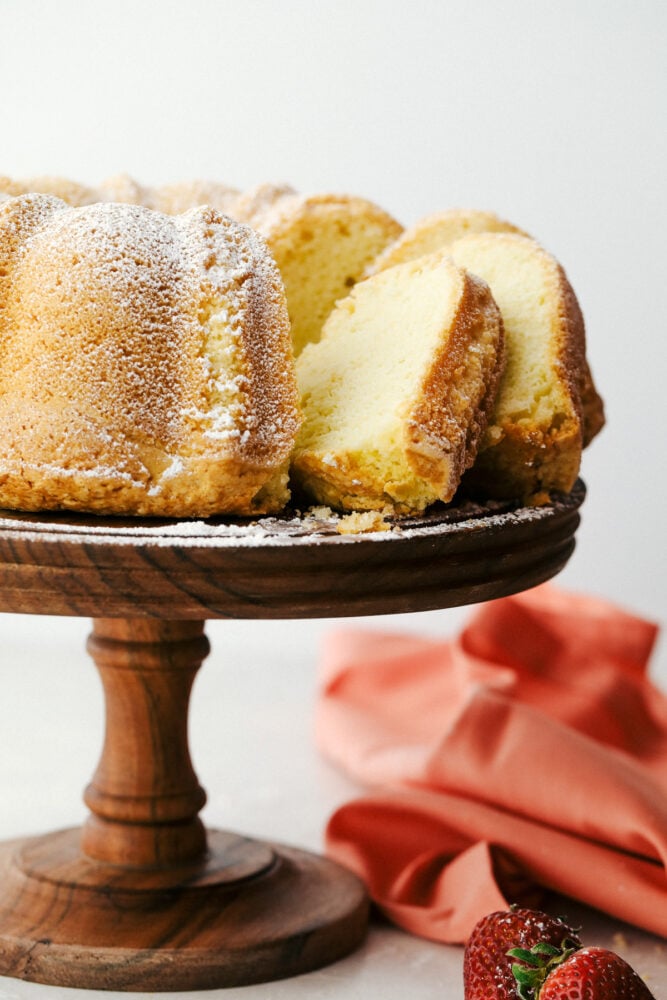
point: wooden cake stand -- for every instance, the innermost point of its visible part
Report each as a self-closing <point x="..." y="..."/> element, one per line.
<point x="143" y="897"/>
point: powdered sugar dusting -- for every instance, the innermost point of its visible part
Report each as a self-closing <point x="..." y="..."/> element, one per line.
<point x="113" y="316"/>
<point x="314" y="526"/>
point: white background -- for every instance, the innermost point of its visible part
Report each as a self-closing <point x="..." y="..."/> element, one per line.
<point x="550" y="113"/>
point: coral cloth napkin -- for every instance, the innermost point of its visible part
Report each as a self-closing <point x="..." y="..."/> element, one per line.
<point x="530" y="752"/>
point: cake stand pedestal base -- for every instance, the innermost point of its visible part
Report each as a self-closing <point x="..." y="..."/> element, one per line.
<point x="251" y="912"/>
<point x="142" y="898"/>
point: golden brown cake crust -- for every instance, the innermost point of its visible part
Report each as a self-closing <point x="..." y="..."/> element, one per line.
<point x="452" y="413"/>
<point x="107" y="392"/>
<point x="526" y="454"/>
<point x="592" y="406"/>
<point x="292" y="211"/>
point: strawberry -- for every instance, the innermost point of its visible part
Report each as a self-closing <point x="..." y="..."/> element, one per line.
<point x="543" y="973"/>
<point x="487" y="968"/>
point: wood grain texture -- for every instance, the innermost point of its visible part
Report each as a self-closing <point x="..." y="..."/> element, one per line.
<point x="86" y="566"/>
<point x="144" y="797"/>
<point x="59" y="926"/>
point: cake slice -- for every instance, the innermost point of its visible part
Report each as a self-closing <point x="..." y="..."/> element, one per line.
<point x="396" y="394"/>
<point x="322" y="245"/>
<point x="147" y="365"/>
<point x="547" y="406"/>
<point x="436" y="232"/>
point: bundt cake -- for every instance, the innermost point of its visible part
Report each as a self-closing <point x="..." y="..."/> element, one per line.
<point x="396" y="394"/>
<point x="253" y="205"/>
<point x="322" y="245"/>
<point x="69" y="191"/>
<point x="172" y="199"/>
<point x="126" y="190"/>
<point x="146" y="367"/>
<point x="435" y="232"/>
<point x="547" y="406"/>
<point x="177" y="198"/>
<point x="202" y="446"/>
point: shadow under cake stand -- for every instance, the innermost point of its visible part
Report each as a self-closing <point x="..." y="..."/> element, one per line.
<point x="143" y="897"/>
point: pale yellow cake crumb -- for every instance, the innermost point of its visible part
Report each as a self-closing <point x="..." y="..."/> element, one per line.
<point x="396" y="395"/>
<point x="320" y="513"/>
<point x="362" y="521"/>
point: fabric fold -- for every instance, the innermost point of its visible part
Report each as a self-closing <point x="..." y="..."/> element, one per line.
<point x="528" y="752"/>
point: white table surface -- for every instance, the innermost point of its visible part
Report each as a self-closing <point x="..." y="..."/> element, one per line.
<point x="251" y="742"/>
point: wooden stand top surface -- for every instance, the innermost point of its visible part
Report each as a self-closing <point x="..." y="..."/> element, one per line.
<point x="291" y="566"/>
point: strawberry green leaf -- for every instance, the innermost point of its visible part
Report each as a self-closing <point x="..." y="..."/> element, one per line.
<point x="544" y="948"/>
<point x="525" y="956"/>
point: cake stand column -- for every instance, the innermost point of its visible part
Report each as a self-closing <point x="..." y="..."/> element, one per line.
<point x="144" y="797"/>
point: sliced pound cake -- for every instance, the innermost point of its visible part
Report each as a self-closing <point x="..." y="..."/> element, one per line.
<point x="396" y="394"/>
<point x="547" y="406"/>
<point x="437" y="231"/>
<point x="322" y="245"/>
